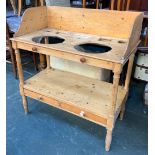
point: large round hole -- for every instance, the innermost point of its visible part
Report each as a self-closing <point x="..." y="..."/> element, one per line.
<point x="92" y="48"/>
<point x="50" y="39"/>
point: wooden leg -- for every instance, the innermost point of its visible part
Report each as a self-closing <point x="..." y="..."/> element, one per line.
<point x="13" y="6"/>
<point x="128" y="5"/>
<point x="41" y="2"/>
<point x="111" y="117"/>
<point x="47" y="56"/>
<point x="25" y="105"/>
<point x="119" y="5"/>
<point x="35" y="61"/>
<point x="13" y="59"/>
<point x="127" y="82"/>
<point x="19" y="7"/>
<point x="36" y="3"/>
<point x="112" y="2"/>
<point x="129" y="71"/>
<point x="84" y="3"/>
<point x="123" y="108"/>
<point x="48" y="61"/>
<point x="97" y="4"/>
<point x="21" y="79"/>
<point x="42" y="64"/>
<point x="123" y="5"/>
<point x="108" y="140"/>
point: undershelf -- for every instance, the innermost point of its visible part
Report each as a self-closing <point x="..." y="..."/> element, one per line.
<point x="85" y="93"/>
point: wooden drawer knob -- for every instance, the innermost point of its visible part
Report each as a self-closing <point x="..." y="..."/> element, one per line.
<point x="40" y="97"/>
<point x="34" y="49"/>
<point x="82" y="60"/>
<point x="82" y="113"/>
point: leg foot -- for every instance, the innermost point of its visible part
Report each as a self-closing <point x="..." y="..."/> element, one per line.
<point x="121" y="116"/>
<point x="108" y="140"/>
<point x="25" y="105"/>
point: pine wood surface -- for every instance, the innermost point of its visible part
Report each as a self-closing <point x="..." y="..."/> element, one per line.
<point x="92" y="95"/>
<point x="71" y="39"/>
<point x="127" y="25"/>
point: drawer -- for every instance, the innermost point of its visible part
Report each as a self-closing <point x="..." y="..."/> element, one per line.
<point x="92" y="61"/>
<point x="67" y="107"/>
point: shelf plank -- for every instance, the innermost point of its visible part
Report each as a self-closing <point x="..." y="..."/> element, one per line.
<point x="85" y="93"/>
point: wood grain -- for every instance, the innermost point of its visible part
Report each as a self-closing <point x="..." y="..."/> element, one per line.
<point x="33" y="19"/>
<point x="92" y="95"/>
<point x="113" y="24"/>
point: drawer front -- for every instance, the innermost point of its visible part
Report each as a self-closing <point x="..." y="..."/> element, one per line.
<point x="66" y="55"/>
<point x="141" y="73"/>
<point x="142" y="59"/>
<point x="67" y="107"/>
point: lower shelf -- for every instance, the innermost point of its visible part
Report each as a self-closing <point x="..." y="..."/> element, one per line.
<point x="74" y="93"/>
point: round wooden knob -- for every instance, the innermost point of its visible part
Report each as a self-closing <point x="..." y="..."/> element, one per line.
<point x="34" y="49"/>
<point x="82" y="113"/>
<point x="40" y="97"/>
<point x="83" y="60"/>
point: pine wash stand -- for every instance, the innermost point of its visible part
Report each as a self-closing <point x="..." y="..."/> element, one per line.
<point x="72" y="34"/>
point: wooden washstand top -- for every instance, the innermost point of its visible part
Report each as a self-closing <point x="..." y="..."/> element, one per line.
<point x="71" y="39"/>
<point x="118" y="30"/>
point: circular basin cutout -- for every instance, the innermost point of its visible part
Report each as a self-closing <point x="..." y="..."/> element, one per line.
<point x="92" y="48"/>
<point x="51" y="39"/>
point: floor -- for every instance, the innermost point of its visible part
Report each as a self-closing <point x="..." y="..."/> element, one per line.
<point x="49" y="131"/>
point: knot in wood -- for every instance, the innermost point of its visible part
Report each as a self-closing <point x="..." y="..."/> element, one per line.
<point x="34" y="49"/>
<point x="82" y="60"/>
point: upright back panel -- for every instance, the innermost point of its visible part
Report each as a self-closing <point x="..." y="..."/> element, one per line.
<point x="109" y="23"/>
<point x="114" y="24"/>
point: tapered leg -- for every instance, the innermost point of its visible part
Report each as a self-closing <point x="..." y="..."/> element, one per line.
<point x="42" y="64"/>
<point x="47" y="56"/>
<point x="35" y="61"/>
<point x="97" y="4"/>
<point x="108" y="140"/>
<point x="21" y="80"/>
<point x="13" y="6"/>
<point x="112" y="110"/>
<point x="122" y="112"/>
<point x="36" y="3"/>
<point x="41" y="2"/>
<point x="19" y="7"/>
<point x="127" y="82"/>
<point x="25" y="105"/>
<point x="48" y="61"/>
<point x="123" y="109"/>
<point x="84" y="3"/>
<point x="13" y="59"/>
<point x="112" y="2"/>
<point x="128" y="5"/>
